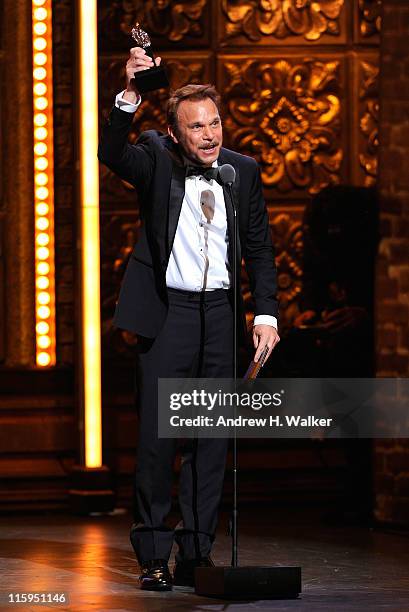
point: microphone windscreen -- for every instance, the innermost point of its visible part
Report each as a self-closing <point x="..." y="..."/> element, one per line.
<point x="227" y="174"/>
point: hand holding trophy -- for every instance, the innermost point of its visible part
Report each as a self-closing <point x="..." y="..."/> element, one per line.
<point x="147" y="71"/>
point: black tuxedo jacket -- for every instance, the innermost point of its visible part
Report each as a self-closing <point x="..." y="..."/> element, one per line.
<point x="154" y="166"/>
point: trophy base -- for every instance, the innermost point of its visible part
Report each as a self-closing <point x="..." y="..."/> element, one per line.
<point x="151" y="79"/>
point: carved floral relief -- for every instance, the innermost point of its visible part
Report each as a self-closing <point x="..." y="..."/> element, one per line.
<point x="286" y="114"/>
<point x="369" y="121"/>
<point x="287" y="238"/>
<point x="256" y="20"/>
<point x="288" y="243"/>
<point x="370" y="12"/>
<point x="169" y="20"/>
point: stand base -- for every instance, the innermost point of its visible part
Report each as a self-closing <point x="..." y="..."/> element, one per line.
<point x="91" y="490"/>
<point x="248" y="582"/>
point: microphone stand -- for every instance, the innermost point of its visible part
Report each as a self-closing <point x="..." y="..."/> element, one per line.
<point x="234" y="582"/>
<point x="236" y="285"/>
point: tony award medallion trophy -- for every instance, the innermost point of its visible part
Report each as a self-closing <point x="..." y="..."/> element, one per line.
<point x="152" y="78"/>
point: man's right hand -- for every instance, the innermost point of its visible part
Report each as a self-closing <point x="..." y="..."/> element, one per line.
<point x="138" y="60"/>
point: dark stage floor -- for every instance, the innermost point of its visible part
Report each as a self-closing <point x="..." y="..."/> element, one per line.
<point x="90" y="560"/>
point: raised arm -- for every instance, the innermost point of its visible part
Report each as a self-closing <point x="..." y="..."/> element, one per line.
<point x="132" y="163"/>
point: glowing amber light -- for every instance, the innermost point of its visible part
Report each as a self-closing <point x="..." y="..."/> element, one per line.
<point x="42" y="328"/>
<point x="43" y="181"/>
<point x="40" y="103"/>
<point x="89" y="207"/>
<point x="42" y="239"/>
<point x="43" y="342"/>
<point x="40" y="59"/>
<point x="43" y="312"/>
<point x="40" y="29"/>
<point x="40" y="133"/>
<point x="40" y="119"/>
<point x="42" y="253"/>
<point x="40" y="14"/>
<point x="39" y="44"/>
<point x="43" y="359"/>
<point x="42" y="208"/>
<point x="42" y="282"/>
<point x="40" y="89"/>
<point x="41" y="178"/>
<point x="42" y="223"/>
<point x="39" y="73"/>
<point x="40" y="148"/>
<point x="43" y="267"/>
<point x="43" y="298"/>
<point x="41" y="163"/>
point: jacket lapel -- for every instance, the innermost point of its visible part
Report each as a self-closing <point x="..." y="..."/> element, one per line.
<point x="229" y="208"/>
<point x="177" y="193"/>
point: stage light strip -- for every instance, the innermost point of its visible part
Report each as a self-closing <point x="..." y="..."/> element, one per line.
<point x="43" y="183"/>
<point x="89" y="195"/>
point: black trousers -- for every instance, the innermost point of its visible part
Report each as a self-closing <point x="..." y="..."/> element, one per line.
<point x="196" y="341"/>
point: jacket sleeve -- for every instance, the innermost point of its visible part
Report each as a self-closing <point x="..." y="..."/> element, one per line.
<point x="259" y="253"/>
<point x="132" y="163"/>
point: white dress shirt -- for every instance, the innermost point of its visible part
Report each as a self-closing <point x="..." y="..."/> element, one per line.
<point x="199" y="256"/>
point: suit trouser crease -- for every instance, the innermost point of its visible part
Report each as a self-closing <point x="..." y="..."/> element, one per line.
<point x="196" y="340"/>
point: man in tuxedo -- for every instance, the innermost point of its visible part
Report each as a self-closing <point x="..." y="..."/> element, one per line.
<point x="176" y="296"/>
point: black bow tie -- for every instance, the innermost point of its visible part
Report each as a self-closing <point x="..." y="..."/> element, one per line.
<point x="207" y="173"/>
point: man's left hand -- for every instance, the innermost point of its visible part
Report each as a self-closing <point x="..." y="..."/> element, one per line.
<point x="264" y="335"/>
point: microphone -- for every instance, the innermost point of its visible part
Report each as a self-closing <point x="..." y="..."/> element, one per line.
<point x="227" y="174"/>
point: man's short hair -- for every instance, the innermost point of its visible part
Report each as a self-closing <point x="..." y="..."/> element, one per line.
<point x="189" y="92"/>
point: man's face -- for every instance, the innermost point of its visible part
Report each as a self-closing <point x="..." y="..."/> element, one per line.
<point x="199" y="132"/>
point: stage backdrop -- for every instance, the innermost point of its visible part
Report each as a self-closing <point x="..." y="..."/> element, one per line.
<point x="299" y="86"/>
<point x="300" y="93"/>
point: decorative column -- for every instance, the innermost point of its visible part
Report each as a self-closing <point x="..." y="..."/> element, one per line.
<point x="91" y="489"/>
<point x="18" y="193"/>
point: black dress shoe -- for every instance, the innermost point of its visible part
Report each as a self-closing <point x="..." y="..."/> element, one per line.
<point x="155" y="576"/>
<point x="184" y="574"/>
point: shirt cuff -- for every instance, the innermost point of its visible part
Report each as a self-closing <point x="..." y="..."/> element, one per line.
<point x="265" y="320"/>
<point x="125" y="105"/>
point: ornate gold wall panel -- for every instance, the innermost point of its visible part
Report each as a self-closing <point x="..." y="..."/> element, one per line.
<point x="286" y="225"/>
<point x="285" y="22"/>
<point x="286" y="228"/>
<point x="368" y="22"/>
<point x="364" y="118"/>
<point x="368" y="91"/>
<point x="169" y="22"/>
<point x="287" y="113"/>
